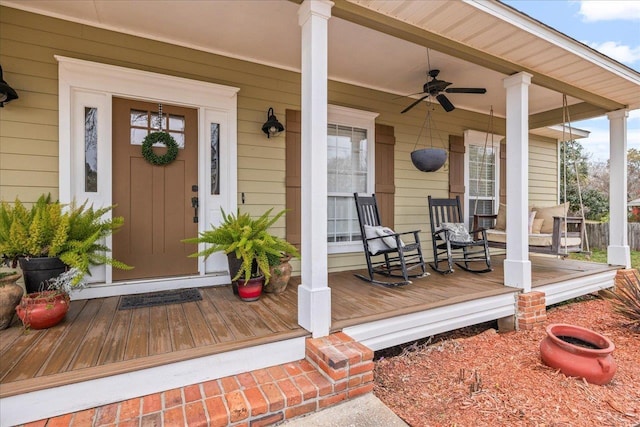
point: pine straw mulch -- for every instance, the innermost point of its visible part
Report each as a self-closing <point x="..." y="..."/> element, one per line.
<point x="492" y="379"/>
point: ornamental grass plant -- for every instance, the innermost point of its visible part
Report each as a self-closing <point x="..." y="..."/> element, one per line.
<point x="626" y="299"/>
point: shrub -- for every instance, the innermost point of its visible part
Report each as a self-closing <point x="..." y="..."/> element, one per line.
<point x="626" y="299"/>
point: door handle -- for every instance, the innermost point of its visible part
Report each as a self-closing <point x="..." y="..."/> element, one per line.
<point x="194" y="204"/>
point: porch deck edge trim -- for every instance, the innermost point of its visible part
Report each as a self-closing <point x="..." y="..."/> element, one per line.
<point x="403" y="311"/>
<point x="68" y="398"/>
<point x="129" y="366"/>
<point x="387" y="333"/>
<point x="568" y="289"/>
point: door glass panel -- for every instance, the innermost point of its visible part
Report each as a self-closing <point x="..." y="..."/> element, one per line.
<point x="215" y="159"/>
<point x="140" y="118"/>
<point x="141" y="126"/>
<point x="138" y="136"/>
<point x="155" y="121"/>
<point x="178" y="137"/>
<point x="90" y="150"/>
<point x="176" y="123"/>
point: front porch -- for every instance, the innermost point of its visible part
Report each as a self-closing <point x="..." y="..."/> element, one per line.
<point x="132" y="353"/>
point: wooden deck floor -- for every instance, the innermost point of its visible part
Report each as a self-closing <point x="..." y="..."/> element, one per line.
<point x="97" y="340"/>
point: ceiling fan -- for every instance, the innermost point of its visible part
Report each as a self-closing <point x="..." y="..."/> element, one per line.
<point x="436" y="88"/>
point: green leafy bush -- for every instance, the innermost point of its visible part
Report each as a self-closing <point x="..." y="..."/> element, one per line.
<point x="73" y="233"/>
<point x="249" y="239"/>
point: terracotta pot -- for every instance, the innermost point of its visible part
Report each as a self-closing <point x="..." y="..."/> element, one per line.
<point x="251" y="289"/>
<point x="10" y="294"/>
<point x="40" y="310"/>
<point x="579" y="352"/>
<point x="280" y="275"/>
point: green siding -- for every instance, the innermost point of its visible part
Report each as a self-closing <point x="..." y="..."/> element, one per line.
<point x="29" y="126"/>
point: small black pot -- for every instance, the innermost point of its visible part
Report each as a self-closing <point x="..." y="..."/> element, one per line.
<point x="37" y="271"/>
<point x="234" y="266"/>
<point x="429" y="159"/>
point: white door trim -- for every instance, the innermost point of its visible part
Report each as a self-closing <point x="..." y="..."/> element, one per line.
<point x="90" y="84"/>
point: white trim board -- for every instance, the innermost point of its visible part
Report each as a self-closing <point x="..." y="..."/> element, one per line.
<point x="398" y="330"/>
<point x="56" y="401"/>
<point x="569" y="289"/>
<point x="90" y="84"/>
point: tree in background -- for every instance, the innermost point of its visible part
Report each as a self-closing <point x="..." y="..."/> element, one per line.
<point x="594" y="199"/>
<point x="633" y="173"/>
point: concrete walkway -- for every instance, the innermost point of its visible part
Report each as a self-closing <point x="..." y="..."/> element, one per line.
<point x="364" y="411"/>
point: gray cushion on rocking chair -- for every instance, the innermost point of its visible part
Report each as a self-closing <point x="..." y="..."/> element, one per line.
<point x="379" y="245"/>
<point x="457" y="232"/>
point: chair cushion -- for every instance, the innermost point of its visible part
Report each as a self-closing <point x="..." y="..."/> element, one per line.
<point x="376" y="245"/>
<point x="389" y="241"/>
<point x="457" y="232"/>
<point x="534" y="239"/>
<point x="501" y="219"/>
<point x="537" y="226"/>
<point x="532" y="217"/>
<point x="547" y="213"/>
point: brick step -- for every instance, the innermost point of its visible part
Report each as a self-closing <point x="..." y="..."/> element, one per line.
<point x="336" y="368"/>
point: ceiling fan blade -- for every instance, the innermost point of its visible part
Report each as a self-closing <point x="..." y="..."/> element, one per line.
<point x="414" y="104"/>
<point x="408" y="96"/>
<point x="446" y="104"/>
<point x="466" y="90"/>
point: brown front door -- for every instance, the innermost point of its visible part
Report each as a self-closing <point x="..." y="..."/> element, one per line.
<point x="155" y="201"/>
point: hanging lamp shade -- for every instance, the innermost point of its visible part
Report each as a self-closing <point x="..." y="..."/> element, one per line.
<point x="429" y="159"/>
<point x="6" y="92"/>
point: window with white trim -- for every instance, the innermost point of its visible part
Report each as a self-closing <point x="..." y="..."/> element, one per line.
<point x="482" y="174"/>
<point x="350" y="169"/>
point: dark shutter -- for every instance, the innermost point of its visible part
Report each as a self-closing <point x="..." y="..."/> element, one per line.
<point x="385" y="182"/>
<point x="293" y="176"/>
<point x="456" y="167"/>
<point x="384" y="164"/>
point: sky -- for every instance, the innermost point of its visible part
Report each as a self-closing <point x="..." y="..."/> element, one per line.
<point x="611" y="27"/>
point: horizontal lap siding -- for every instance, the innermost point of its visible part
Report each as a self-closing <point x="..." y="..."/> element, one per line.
<point x="543" y="171"/>
<point x="29" y="126"/>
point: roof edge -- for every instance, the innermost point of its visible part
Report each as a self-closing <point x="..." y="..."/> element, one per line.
<point x="539" y="29"/>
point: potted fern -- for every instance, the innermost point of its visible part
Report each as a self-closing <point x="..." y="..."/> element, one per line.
<point x="249" y="241"/>
<point x="49" y="238"/>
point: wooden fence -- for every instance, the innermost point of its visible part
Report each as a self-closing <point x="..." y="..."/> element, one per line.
<point x="598" y="234"/>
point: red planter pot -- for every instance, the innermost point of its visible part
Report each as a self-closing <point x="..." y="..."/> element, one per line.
<point x="251" y="289"/>
<point x="579" y="352"/>
<point x="40" y="310"/>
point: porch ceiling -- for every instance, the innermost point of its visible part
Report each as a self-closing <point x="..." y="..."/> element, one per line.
<point x="381" y="45"/>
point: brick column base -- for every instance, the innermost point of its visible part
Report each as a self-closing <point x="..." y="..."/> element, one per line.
<point x="347" y="364"/>
<point x="532" y="310"/>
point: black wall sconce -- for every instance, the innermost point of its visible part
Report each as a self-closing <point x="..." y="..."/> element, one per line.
<point x="6" y="92"/>
<point x="272" y="127"/>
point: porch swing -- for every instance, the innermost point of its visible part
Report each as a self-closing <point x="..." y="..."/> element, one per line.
<point x="562" y="234"/>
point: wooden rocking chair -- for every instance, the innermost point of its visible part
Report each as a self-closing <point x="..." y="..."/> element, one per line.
<point x="400" y="258"/>
<point x="452" y="243"/>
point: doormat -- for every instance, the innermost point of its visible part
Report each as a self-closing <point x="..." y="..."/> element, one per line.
<point x="151" y="299"/>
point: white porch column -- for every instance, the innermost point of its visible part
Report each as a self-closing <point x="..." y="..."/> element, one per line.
<point x="618" y="250"/>
<point x="517" y="267"/>
<point x="314" y="295"/>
